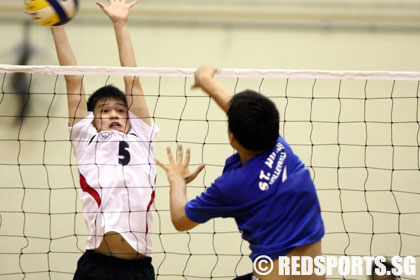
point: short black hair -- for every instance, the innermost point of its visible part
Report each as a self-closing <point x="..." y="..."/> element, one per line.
<point x="254" y="121"/>
<point x="105" y="91"/>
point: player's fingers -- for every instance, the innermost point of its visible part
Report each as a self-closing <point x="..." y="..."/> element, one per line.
<point x="179" y="155"/>
<point x="133" y="3"/>
<point x="158" y="162"/>
<point x="170" y="155"/>
<point x="161" y="164"/>
<point x="209" y="68"/>
<point x="101" y="5"/>
<point x="187" y="157"/>
<point x="197" y="171"/>
<point x="27" y="3"/>
<point x="195" y="86"/>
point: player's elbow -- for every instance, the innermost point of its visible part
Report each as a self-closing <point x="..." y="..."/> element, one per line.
<point x="183" y="223"/>
<point x="179" y="227"/>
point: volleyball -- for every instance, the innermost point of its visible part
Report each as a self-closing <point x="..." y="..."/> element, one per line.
<point x="52" y="12"/>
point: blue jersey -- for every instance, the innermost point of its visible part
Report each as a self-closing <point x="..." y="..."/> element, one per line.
<point x="272" y="198"/>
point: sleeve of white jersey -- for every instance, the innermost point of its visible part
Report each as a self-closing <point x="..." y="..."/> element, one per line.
<point x="146" y="132"/>
<point x="81" y="133"/>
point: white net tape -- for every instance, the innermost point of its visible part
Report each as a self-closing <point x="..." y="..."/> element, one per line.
<point x="357" y="132"/>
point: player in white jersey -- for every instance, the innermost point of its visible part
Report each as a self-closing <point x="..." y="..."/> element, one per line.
<point x="112" y="136"/>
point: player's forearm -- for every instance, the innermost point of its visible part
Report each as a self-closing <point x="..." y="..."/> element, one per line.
<point x="64" y="51"/>
<point x="62" y="46"/>
<point x="125" y="45"/>
<point x="75" y="92"/>
<point x="218" y="92"/>
<point x="178" y="200"/>
<point x="134" y="92"/>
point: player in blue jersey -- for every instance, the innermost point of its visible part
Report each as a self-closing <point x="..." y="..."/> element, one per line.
<point x="265" y="187"/>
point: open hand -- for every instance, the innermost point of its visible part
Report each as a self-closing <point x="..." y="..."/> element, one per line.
<point x="117" y="10"/>
<point x="180" y="166"/>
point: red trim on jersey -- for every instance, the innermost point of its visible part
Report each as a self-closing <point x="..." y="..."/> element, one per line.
<point x="148" y="208"/>
<point x="86" y="188"/>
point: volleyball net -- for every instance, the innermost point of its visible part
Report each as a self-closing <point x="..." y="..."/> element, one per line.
<point x="357" y="132"/>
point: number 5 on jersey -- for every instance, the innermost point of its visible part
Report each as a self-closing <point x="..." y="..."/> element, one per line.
<point x="123" y="154"/>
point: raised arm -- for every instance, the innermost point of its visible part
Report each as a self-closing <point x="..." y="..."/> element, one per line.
<point x="204" y="79"/>
<point x="179" y="176"/>
<point x="76" y="99"/>
<point x="118" y="11"/>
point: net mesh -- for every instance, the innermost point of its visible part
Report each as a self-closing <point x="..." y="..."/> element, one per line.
<point x="357" y="132"/>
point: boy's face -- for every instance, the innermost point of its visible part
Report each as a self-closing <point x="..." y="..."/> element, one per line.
<point x="111" y="113"/>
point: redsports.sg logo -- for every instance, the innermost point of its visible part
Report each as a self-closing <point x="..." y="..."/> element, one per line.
<point x="328" y="265"/>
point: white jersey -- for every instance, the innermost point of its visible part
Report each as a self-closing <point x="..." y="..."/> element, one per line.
<point x="117" y="179"/>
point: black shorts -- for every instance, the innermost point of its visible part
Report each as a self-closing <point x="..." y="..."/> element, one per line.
<point x="248" y="276"/>
<point x="95" y="266"/>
